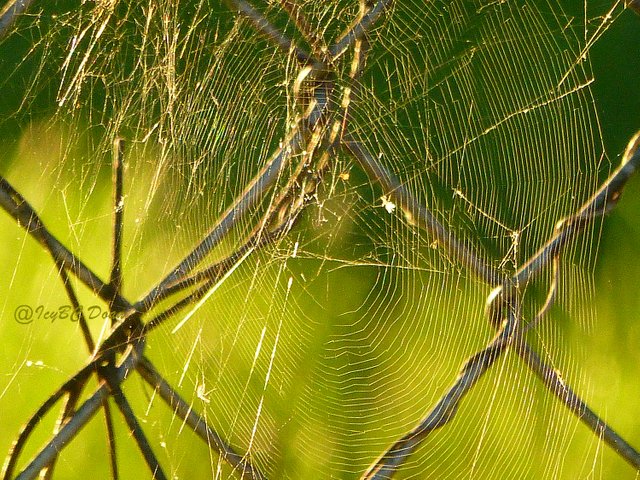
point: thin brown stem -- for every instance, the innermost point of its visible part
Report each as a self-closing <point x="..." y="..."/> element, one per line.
<point x="67" y="412"/>
<point x="111" y="439"/>
<point x="555" y="384"/>
<point x="599" y="204"/>
<point x="76" y="382"/>
<point x="136" y="430"/>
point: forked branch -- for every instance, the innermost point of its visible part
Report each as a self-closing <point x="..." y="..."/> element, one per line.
<point x="444" y="411"/>
<point x="502" y="304"/>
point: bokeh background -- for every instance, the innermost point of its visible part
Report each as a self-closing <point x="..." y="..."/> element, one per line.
<point x="349" y="337"/>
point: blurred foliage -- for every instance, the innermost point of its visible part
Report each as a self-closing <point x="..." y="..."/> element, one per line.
<point x="37" y="358"/>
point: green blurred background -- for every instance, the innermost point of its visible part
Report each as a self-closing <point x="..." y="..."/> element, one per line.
<point x="316" y="422"/>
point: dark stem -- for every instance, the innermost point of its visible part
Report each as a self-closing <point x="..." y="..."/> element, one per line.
<point x="10" y="12"/>
<point x="198" y="424"/>
<point x="81" y="417"/>
<point x="599" y="204"/>
<point x="360" y="28"/>
<point x="111" y="439"/>
<point x="67" y="412"/>
<point x="136" y="430"/>
<point x="416" y="211"/>
<point x="118" y="214"/>
<point x="18" y="208"/>
<point x="77" y="382"/>
<point x="444" y="411"/>
<point x="263" y="26"/>
<point x="555" y="384"/>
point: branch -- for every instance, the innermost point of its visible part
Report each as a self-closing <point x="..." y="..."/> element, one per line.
<point x="415" y="210"/>
<point x="67" y="412"/>
<point x="136" y="430"/>
<point x="255" y="191"/>
<point x="198" y="424"/>
<point x="79" y="378"/>
<point x="576" y="405"/>
<point x="118" y="214"/>
<point x="10" y="12"/>
<point x="82" y="416"/>
<point x="18" y="208"/>
<point x="359" y="29"/>
<point x="263" y="26"/>
<point x="444" y="411"/>
<point x="599" y="204"/>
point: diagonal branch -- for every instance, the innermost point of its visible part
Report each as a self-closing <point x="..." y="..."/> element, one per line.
<point x="78" y="380"/>
<point x="555" y="384"/>
<point x="135" y="429"/>
<point x="360" y="28"/>
<point x="198" y="424"/>
<point x="444" y="411"/>
<point x="500" y="306"/>
<point x="253" y="193"/>
<point x="263" y="26"/>
<point x="414" y="209"/>
<point x="10" y="12"/>
<point x="67" y="412"/>
<point x="82" y="416"/>
<point x="600" y="203"/>
<point x="18" y="208"/>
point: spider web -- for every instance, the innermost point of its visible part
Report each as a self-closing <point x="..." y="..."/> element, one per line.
<point x="318" y="351"/>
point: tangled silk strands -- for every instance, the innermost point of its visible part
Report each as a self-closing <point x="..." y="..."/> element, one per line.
<point x="300" y="239"/>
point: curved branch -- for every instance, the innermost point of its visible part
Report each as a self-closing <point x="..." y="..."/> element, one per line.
<point x="82" y="416"/>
